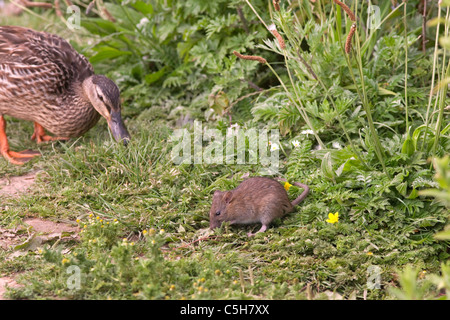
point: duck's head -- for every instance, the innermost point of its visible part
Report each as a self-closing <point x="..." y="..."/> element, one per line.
<point x="104" y="96"/>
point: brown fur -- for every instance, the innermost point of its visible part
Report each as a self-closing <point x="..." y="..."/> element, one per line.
<point x="257" y="199"/>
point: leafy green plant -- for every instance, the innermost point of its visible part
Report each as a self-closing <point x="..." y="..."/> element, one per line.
<point x="170" y="51"/>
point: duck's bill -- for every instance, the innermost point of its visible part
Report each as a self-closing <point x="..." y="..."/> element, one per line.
<point x="118" y="129"/>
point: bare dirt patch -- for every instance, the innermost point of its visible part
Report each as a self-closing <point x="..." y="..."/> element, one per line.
<point x="50" y="227"/>
<point x="15" y="186"/>
<point x="7" y="282"/>
<point x="32" y="235"/>
<point x="35" y="233"/>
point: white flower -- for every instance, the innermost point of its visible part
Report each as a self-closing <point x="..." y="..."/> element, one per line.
<point x="274" y="146"/>
<point x="307" y="132"/>
<point x="336" y="145"/>
<point x="295" y="143"/>
<point x="142" y="23"/>
<point x="233" y="130"/>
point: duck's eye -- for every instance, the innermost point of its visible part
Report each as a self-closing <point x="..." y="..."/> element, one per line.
<point x="101" y="98"/>
<point x="217" y="213"/>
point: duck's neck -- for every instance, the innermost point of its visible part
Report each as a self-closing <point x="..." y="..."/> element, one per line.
<point x="78" y="115"/>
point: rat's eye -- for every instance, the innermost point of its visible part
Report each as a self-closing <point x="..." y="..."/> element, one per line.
<point x="217" y="213"/>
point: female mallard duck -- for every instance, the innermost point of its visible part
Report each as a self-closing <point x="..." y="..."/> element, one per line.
<point x="44" y="80"/>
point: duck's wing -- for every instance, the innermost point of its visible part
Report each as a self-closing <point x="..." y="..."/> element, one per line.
<point x="28" y="47"/>
<point x="19" y="80"/>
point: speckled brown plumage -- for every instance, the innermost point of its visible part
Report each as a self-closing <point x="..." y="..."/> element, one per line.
<point x="44" y="80"/>
<point x="41" y="78"/>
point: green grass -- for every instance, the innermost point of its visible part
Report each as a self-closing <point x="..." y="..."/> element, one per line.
<point x="119" y="192"/>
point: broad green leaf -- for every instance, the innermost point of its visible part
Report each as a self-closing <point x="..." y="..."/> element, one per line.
<point x="155" y="76"/>
<point x="443" y="235"/>
<point x="445" y="42"/>
<point x="99" y="26"/>
<point x="402" y="188"/>
<point x="443" y="195"/>
<point x="31" y="243"/>
<point x="384" y="92"/>
<point x="108" y="53"/>
<point x="408" y="146"/>
<point x="414" y="194"/>
<point x="141" y="6"/>
<point x="326" y="166"/>
<point x="435" y="21"/>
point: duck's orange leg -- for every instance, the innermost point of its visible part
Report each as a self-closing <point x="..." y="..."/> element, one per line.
<point x="18" y="158"/>
<point x="40" y="136"/>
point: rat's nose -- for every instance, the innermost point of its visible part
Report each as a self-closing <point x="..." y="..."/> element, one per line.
<point x="214" y="224"/>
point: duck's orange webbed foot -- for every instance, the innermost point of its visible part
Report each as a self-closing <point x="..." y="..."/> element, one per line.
<point x="18" y="158"/>
<point x="40" y="136"/>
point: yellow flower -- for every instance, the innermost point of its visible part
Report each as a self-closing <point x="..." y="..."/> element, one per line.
<point x="78" y="220"/>
<point x="287" y="185"/>
<point x="333" y="218"/>
<point x="144" y="232"/>
<point x="64" y="261"/>
<point x="370" y="253"/>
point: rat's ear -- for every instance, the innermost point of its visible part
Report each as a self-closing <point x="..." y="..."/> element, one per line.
<point x="228" y="197"/>
<point x="217" y="194"/>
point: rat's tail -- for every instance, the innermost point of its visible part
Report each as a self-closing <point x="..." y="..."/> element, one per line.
<point x="301" y="197"/>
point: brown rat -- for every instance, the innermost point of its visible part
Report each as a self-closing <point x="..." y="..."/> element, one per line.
<point x="256" y="199"/>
